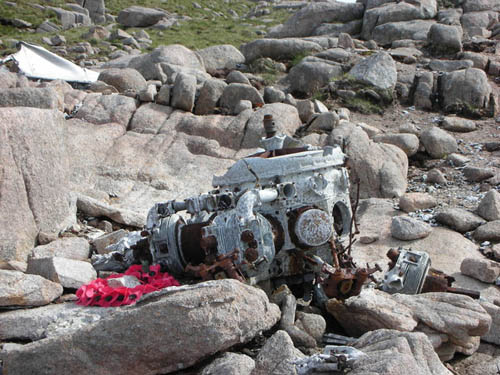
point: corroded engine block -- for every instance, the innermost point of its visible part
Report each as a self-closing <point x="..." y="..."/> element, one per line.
<point x="276" y="215"/>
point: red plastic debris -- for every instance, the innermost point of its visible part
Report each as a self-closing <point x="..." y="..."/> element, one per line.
<point x="99" y="293"/>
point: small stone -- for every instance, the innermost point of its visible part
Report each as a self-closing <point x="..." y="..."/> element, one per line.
<point x="306" y="110"/>
<point x="488" y="232"/>
<point x="438" y="143"/>
<point x="416" y="201"/>
<point x="237" y="77"/>
<point x="67" y="272"/>
<point x="230" y="364"/>
<point x="345" y="41"/>
<point x="372" y="131"/>
<point x="489" y="207"/>
<point x="435" y="176"/>
<point x="459" y="219"/>
<point x="273" y="95"/>
<point x="409" y="143"/>
<point x="71" y="248"/>
<point x="163" y="96"/>
<point x="276" y="356"/>
<point x="409" y="128"/>
<point x="477" y="174"/>
<point x="313" y="324"/>
<point x="368" y="239"/>
<point x="326" y="121"/>
<point x="46" y="237"/>
<point x="148" y="94"/>
<point x="457" y="160"/>
<point x="457" y="124"/>
<point x="344" y="114"/>
<point x="406" y="228"/>
<point x="484" y="270"/>
<point x="20" y="289"/>
<point x="126" y="281"/>
<point x="319" y="107"/>
<point x="242" y="106"/>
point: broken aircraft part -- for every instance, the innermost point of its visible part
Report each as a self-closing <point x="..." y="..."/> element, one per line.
<point x="408" y="270"/>
<point x="334" y="359"/>
<point x="280" y="214"/>
<point x="38" y="63"/>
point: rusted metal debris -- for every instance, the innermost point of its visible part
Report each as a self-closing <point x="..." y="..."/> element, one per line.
<point x="280" y="215"/>
<point x="410" y="273"/>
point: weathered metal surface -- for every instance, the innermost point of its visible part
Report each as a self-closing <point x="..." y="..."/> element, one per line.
<point x="408" y="272"/>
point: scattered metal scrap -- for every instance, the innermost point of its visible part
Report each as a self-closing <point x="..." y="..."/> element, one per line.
<point x="410" y="272"/>
<point x="38" y="63"/>
<point x="280" y="214"/>
<point x="333" y="359"/>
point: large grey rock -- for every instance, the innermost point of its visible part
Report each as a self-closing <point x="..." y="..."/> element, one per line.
<point x="493" y="336"/>
<point x="488" y="232"/>
<point x="457" y="124"/>
<point x="406" y="228"/>
<point x="67" y="272"/>
<point x="478" y="23"/>
<point x="276" y="356"/>
<point x="480" y="5"/>
<point x="445" y="39"/>
<point x="286" y="118"/>
<point x="278" y="48"/>
<point x="179" y="327"/>
<point x="184" y="92"/>
<point x="325" y="121"/>
<point x="34" y="174"/>
<point x="450" y="65"/>
<point x="235" y="92"/>
<point x="230" y="364"/>
<point x="394" y="352"/>
<point x="424" y="82"/>
<point x="335" y="29"/>
<point x="407" y="142"/>
<point x="438" y="143"/>
<point x="458" y="316"/>
<point x="48" y="321"/>
<point x="7" y="79"/>
<point x="489" y="207"/>
<point x="149" y="118"/>
<point x="19" y="289"/>
<point x="378" y="70"/>
<point x="396" y="12"/>
<point x="210" y="93"/>
<point x="124" y="79"/>
<point x="416" y="201"/>
<point x="69" y="19"/>
<point x="155" y="65"/>
<point x="76" y="248"/>
<point x="137" y="16"/>
<point x="389" y="32"/>
<point x="96" y="9"/>
<point x="102" y="109"/>
<point x="308" y="77"/>
<point x="464" y="90"/>
<point x="305" y="21"/>
<point x="30" y="97"/>
<point x="484" y="270"/>
<point x="459" y="219"/>
<point x="223" y="56"/>
<point x="381" y="171"/>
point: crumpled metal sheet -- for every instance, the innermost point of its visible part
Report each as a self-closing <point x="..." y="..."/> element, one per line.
<point x="36" y="62"/>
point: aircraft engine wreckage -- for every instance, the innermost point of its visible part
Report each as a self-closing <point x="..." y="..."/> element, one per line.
<point x="281" y="215"/>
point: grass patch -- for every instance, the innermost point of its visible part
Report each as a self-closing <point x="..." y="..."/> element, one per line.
<point x="211" y="25"/>
<point x="298" y="58"/>
<point x="363" y="106"/>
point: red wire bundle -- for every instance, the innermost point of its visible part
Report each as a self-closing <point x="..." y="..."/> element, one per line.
<point x="99" y="293"/>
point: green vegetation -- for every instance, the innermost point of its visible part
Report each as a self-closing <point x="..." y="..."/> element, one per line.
<point x="298" y="58"/>
<point x="200" y="28"/>
<point x="363" y="105"/>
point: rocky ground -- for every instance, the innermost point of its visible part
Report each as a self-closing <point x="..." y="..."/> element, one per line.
<point x="408" y="89"/>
